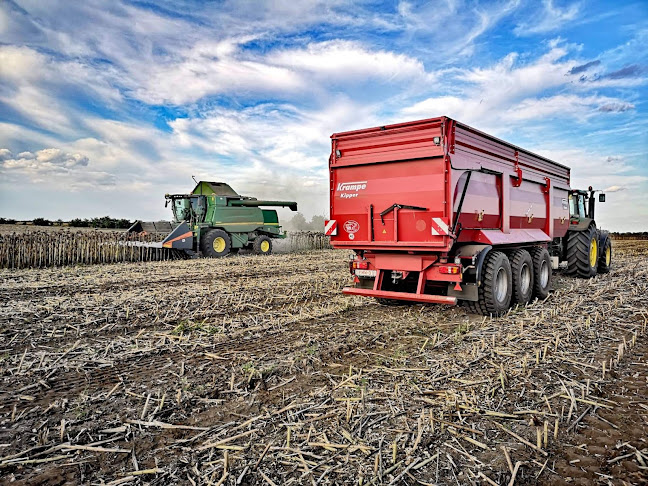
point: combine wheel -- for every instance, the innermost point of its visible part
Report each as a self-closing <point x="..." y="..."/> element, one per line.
<point x="606" y="258"/>
<point x="582" y="252"/>
<point x="216" y="243"/>
<point x="496" y="288"/>
<point x="541" y="272"/>
<point x="522" y="270"/>
<point x="262" y="245"/>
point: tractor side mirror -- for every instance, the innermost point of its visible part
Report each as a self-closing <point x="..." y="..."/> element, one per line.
<point x="601" y="197"/>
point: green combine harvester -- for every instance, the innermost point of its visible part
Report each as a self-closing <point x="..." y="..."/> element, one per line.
<point x="214" y="221"/>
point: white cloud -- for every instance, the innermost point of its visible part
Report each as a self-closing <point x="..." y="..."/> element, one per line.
<point x="566" y="106"/>
<point x="347" y="60"/>
<point x="228" y="67"/>
<point x="51" y="166"/>
<point x="548" y="19"/>
<point x="277" y="135"/>
<point x="511" y="91"/>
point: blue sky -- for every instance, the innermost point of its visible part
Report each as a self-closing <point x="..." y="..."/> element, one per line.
<point x="107" y="105"/>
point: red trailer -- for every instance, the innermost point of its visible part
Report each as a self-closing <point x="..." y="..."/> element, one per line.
<point x="436" y="211"/>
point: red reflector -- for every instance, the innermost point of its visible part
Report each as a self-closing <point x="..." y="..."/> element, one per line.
<point x="362" y="265"/>
<point x="574" y="222"/>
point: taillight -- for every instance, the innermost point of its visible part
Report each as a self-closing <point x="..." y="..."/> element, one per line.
<point x="359" y="265"/>
<point x="450" y="269"/>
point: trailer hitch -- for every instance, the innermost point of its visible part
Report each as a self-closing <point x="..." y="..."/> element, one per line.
<point x="399" y="206"/>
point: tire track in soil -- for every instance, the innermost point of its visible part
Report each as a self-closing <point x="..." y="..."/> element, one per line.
<point x="140" y="367"/>
<point x="18" y="295"/>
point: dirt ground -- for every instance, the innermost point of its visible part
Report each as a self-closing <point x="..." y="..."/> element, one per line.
<point x="257" y="370"/>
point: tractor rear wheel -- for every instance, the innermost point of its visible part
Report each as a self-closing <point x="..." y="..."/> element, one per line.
<point x="605" y="262"/>
<point x="262" y="245"/>
<point x="582" y="252"/>
<point x="216" y="243"/>
<point x="522" y="270"/>
<point x="496" y="288"/>
<point x="541" y="272"/>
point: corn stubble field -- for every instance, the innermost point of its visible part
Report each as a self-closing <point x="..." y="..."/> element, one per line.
<point x="257" y="370"/>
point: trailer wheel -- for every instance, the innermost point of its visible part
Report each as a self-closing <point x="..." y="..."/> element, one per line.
<point x="216" y="243"/>
<point x="522" y="270"/>
<point x="496" y="288"/>
<point x="262" y="245"/>
<point x="582" y="252"/>
<point x="541" y="272"/>
<point x="605" y="262"/>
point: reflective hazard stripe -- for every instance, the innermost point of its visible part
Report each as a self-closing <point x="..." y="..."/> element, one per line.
<point x="330" y="228"/>
<point x="438" y="227"/>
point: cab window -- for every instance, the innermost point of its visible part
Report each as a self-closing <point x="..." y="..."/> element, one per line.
<point x="572" y="206"/>
<point x="581" y="206"/>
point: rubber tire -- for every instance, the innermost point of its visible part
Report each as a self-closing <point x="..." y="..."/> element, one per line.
<point x="603" y="266"/>
<point x="578" y="252"/>
<point x="487" y="303"/>
<point x="207" y="243"/>
<point x="519" y="260"/>
<point x="256" y="246"/>
<point x="540" y="255"/>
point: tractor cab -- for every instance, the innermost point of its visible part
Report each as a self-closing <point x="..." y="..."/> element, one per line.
<point x="577" y="204"/>
<point x="582" y="206"/>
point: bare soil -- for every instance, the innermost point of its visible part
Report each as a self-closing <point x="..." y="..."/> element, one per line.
<point x="257" y="370"/>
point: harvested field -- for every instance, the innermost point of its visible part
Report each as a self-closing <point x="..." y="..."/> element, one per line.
<point x="256" y="370"/>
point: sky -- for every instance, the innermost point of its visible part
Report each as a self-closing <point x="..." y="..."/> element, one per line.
<point x="105" y="106"/>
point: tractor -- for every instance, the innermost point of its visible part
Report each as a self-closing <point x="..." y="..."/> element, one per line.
<point x="586" y="249"/>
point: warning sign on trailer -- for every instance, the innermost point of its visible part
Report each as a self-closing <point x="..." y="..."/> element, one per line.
<point x="330" y="227"/>
<point x="439" y="227"/>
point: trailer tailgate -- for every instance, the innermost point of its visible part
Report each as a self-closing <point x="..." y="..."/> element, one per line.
<point x="389" y="187"/>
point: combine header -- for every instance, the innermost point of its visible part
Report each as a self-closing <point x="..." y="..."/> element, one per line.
<point x="213" y="221"/>
<point x="436" y="211"/>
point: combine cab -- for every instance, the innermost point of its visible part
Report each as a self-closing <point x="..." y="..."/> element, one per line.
<point x="214" y="221"/>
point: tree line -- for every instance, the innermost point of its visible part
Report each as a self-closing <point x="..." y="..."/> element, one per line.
<point x="101" y="222"/>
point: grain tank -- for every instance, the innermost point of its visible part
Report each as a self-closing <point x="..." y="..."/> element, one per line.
<point x="436" y="211"/>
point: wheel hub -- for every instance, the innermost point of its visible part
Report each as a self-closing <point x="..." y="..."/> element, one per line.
<point x="544" y="274"/>
<point x="593" y="252"/>
<point x="265" y="246"/>
<point x="525" y="279"/>
<point x="219" y="244"/>
<point x="501" y="285"/>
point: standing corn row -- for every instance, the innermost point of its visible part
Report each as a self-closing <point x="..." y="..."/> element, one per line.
<point x="308" y="240"/>
<point x="39" y="249"/>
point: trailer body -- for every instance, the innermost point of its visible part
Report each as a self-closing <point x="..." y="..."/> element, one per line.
<point x="419" y="202"/>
